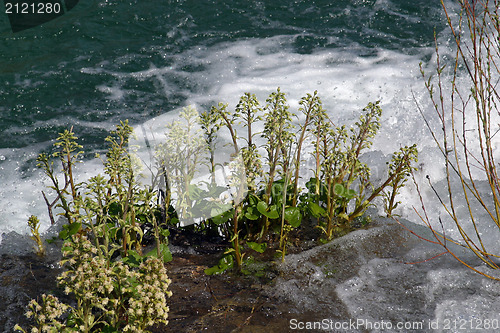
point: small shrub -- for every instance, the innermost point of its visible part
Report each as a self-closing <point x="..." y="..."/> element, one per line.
<point x="270" y="203"/>
<point x="34" y="225"/>
<point x="115" y="286"/>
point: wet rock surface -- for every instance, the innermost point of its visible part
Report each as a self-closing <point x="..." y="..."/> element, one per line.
<point x="21" y="279"/>
<point x="220" y="303"/>
<point x="381" y="273"/>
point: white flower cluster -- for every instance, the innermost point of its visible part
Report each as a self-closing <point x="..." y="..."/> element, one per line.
<point x="91" y="278"/>
<point x="149" y="304"/>
<point x="45" y="314"/>
<point x="107" y="292"/>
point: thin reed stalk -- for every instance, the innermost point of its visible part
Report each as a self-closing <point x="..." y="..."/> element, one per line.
<point x="465" y="99"/>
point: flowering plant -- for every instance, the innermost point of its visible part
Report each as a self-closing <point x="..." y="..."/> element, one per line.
<point x="111" y="296"/>
<point x="115" y="287"/>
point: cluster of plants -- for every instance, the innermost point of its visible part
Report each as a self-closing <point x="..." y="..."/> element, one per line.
<point x="111" y="217"/>
<point x="115" y="287"/>
<point x="271" y="198"/>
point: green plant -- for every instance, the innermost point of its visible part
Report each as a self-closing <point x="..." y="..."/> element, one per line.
<point x="401" y="166"/>
<point x="282" y="208"/>
<point x="338" y="194"/>
<point x="338" y="190"/>
<point x="312" y="108"/>
<point x="266" y="205"/>
<point x="34" y="225"/>
<point x="110" y="296"/>
<point x="68" y="152"/>
<point x="464" y="95"/>
<point x="116" y="288"/>
<point x="210" y="126"/>
<point x="248" y="110"/>
<point x="45" y="315"/>
<point x="291" y="216"/>
<point x="180" y="156"/>
<point x="259" y="206"/>
<point x="400" y="169"/>
<point x="278" y="135"/>
<point x="256" y="207"/>
<point x="113" y="293"/>
<point x="238" y="178"/>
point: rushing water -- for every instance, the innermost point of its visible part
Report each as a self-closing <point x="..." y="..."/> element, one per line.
<point x="106" y="61"/>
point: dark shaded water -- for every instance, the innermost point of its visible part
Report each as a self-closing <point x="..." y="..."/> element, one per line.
<point x="106" y="61"/>
<point x="50" y="75"/>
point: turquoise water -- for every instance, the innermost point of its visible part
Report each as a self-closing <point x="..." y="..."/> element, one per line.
<point x="106" y="61"/>
<point x="43" y="88"/>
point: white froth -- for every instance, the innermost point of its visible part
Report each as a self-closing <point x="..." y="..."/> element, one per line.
<point x="21" y="193"/>
<point x="345" y="81"/>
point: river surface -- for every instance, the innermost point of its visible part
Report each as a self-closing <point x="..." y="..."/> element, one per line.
<point x="106" y="61"/>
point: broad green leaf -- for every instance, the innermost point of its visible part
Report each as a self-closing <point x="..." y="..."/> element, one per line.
<point x="224" y="264"/>
<point x="133" y="258"/>
<point x="293" y="216"/>
<point x="272" y="213"/>
<point x="257" y="247"/>
<point x="51" y="240"/>
<point x="222" y="218"/>
<point x="74" y="228"/>
<point x="63" y="234"/>
<point x="339" y="190"/>
<point x="69" y="230"/>
<point x="164" y="232"/>
<point x="253" y="200"/>
<point x="66" y="249"/>
<point x="262" y="207"/>
<point x="311" y="184"/>
<point x="316" y="210"/>
<point x="173" y="221"/>
<point x="164" y="252"/>
<point x="251" y="214"/>
<point x="214" y="270"/>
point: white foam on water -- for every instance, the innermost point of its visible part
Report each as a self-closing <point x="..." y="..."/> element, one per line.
<point x="345" y="81"/>
<point x="21" y="193"/>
